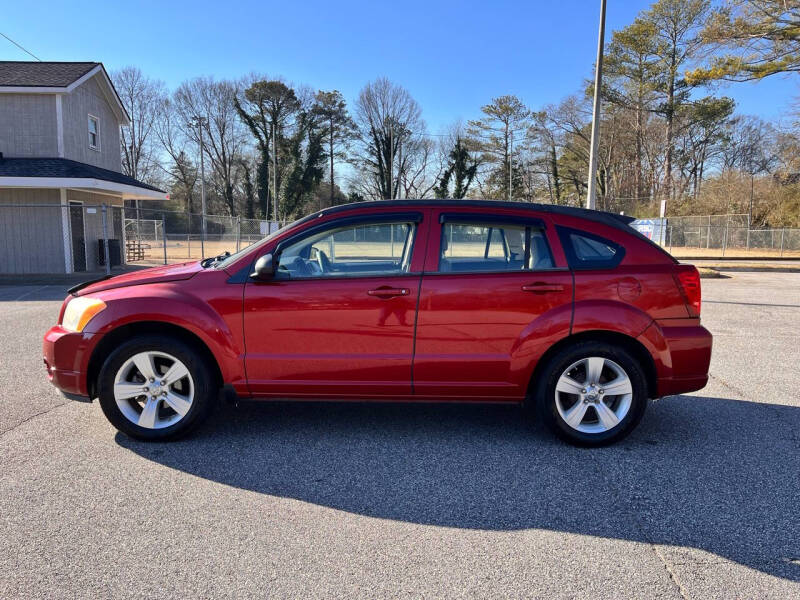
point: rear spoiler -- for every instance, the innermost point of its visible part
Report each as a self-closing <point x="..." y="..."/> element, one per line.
<point x="80" y="286"/>
<point x="627" y="219"/>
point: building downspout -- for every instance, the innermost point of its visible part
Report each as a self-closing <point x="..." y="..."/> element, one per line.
<point x="60" y="125"/>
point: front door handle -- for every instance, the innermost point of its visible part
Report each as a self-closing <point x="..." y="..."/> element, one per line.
<point x="389" y="292"/>
<point x="542" y="288"/>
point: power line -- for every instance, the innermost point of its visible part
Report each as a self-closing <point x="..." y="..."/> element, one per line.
<point x="20" y="47"/>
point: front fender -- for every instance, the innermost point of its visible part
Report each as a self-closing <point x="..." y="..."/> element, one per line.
<point x="170" y="304"/>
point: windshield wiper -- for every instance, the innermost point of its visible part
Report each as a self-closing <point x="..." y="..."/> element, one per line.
<point x="211" y="261"/>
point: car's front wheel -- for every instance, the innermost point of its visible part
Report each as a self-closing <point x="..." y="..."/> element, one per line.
<point x="592" y="393"/>
<point x="155" y="388"/>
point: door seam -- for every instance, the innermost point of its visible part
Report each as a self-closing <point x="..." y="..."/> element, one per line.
<point x="427" y="221"/>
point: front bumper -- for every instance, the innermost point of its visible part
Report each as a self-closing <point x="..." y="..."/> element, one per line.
<point x="66" y="358"/>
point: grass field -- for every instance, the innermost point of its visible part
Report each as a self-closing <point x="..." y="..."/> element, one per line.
<point x="680" y="252"/>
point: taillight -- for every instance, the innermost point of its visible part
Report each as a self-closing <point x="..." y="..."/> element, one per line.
<point x="688" y="279"/>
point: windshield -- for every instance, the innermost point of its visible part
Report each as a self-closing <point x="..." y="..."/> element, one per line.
<point x="225" y="261"/>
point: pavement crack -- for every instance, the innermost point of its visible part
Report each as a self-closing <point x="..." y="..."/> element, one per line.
<point x="31" y="417"/>
<point x="670" y="569"/>
<point x="668" y="566"/>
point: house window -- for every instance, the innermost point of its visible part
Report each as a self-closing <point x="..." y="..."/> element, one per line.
<point x="94" y="133"/>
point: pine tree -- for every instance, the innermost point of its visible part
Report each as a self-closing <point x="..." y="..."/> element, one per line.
<point x="338" y="129"/>
<point x="493" y="137"/>
<point x="265" y="108"/>
<point x="462" y="169"/>
<point x="762" y="38"/>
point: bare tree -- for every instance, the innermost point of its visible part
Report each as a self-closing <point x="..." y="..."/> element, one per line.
<point x="390" y="123"/>
<point x="176" y="142"/>
<point x="144" y="100"/>
<point x="223" y="131"/>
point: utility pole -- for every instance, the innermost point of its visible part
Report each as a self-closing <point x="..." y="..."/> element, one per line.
<point x="400" y="167"/>
<point x="200" y="122"/>
<point x="274" y="176"/>
<point x="591" y="196"/>
<point x="330" y="141"/>
<point x="391" y="160"/>
<point x="510" y="152"/>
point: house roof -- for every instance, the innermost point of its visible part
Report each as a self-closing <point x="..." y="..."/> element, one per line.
<point x="42" y="74"/>
<point x="68" y="173"/>
<point x="27" y="77"/>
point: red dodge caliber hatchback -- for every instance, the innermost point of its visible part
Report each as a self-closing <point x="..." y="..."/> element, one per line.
<point x="565" y="311"/>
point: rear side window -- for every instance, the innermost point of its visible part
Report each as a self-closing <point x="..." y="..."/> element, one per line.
<point x="588" y="251"/>
<point x="471" y="247"/>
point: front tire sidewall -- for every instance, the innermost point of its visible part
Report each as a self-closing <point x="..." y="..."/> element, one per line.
<point x="203" y="390"/>
<point x="546" y="393"/>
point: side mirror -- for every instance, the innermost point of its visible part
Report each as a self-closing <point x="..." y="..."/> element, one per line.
<point x="265" y="268"/>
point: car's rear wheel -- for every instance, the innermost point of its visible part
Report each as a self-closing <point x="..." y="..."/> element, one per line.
<point x="592" y="393"/>
<point x="155" y="388"/>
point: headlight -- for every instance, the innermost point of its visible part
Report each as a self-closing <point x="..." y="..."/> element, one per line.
<point x="80" y="311"/>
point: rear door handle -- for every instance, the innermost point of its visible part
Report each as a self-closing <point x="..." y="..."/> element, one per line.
<point x="387" y="292"/>
<point x="542" y="288"/>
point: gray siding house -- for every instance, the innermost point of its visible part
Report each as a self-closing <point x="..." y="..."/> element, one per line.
<point x="60" y="165"/>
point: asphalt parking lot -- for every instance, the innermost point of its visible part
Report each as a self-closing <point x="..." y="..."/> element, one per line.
<point x="314" y="500"/>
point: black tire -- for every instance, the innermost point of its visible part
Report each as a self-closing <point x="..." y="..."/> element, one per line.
<point x="544" y="392"/>
<point x="205" y="391"/>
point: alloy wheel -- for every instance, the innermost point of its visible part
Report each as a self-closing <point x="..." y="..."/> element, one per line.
<point x="593" y="395"/>
<point x="153" y="389"/>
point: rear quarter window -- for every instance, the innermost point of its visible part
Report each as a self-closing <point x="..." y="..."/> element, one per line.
<point x="589" y="251"/>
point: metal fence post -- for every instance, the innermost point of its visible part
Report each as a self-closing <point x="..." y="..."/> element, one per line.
<point x="238" y="232"/>
<point x="164" y="236"/>
<point x="725" y="239"/>
<point x="203" y="238"/>
<point x="748" y="239"/>
<point x="106" y="253"/>
<point x="783" y="233"/>
<point x="670" y="238"/>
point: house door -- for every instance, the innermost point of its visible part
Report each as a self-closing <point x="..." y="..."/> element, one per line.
<point x="78" y="236"/>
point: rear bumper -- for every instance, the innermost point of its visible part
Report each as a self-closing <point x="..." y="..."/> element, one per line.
<point x="66" y="358"/>
<point x="681" y="349"/>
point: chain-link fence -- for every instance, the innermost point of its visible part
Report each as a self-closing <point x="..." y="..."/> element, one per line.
<point x="76" y="237"/>
<point x="718" y="236"/>
<point x="183" y="236"/>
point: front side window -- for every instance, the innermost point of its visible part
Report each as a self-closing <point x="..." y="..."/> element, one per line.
<point x="363" y="249"/>
<point x="94" y="133"/>
<point x="469" y="247"/>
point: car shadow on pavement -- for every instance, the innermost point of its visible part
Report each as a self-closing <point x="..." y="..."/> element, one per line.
<point x="715" y="474"/>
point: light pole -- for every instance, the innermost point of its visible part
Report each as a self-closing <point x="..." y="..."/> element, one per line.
<point x="591" y="195"/>
<point x="201" y="122"/>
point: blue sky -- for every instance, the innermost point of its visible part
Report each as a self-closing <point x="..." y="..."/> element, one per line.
<point x="452" y="56"/>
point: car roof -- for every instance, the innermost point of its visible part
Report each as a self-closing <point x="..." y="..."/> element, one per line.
<point x="614" y="220"/>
